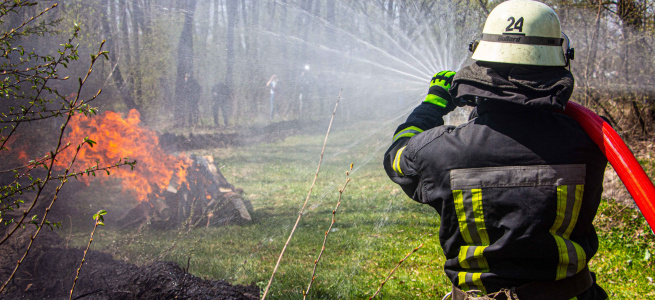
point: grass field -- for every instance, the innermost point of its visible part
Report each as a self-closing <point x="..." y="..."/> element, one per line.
<point x="376" y="226"/>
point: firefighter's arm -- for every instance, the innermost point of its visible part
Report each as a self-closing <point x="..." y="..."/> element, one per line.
<point x="429" y="114"/>
<point x="398" y="162"/>
<point x="400" y="168"/>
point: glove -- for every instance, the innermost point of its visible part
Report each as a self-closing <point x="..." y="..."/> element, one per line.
<point x="438" y="93"/>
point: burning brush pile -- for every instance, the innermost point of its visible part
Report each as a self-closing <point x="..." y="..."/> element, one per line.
<point x="172" y="190"/>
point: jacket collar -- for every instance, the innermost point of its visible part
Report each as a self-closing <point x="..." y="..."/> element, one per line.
<point x="544" y="87"/>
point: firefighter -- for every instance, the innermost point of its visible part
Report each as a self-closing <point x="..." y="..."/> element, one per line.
<point x="221" y="101"/>
<point x="517" y="186"/>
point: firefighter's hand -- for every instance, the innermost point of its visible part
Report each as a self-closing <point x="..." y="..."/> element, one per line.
<point x="438" y="93"/>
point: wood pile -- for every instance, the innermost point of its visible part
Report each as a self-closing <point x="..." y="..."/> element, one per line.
<point x="204" y="199"/>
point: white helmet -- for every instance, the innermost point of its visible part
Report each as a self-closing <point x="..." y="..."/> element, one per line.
<point x="523" y="32"/>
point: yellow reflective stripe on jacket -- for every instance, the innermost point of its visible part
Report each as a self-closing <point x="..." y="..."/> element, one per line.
<point x="461" y="216"/>
<point x="396" y="161"/>
<point x="479" y="216"/>
<point x="470" y="281"/>
<point x="572" y="258"/>
<point x="407" y="132"/>
<point x="470" y="216"/>
<point x="471" y="258"/>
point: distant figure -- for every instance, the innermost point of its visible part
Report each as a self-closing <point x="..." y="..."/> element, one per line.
<point x="272" y="84"/>
<point x="220" y="100"/>
<point x="191" y="91"/>
<point x="303" y="91"/>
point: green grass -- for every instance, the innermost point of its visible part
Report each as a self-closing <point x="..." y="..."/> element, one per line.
<point x="624" y="265"/>
<point x="376" y="226"/>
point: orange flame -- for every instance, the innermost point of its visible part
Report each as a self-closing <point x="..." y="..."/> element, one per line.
<point x="14" y="153"/>
<point x="120" y="138"/>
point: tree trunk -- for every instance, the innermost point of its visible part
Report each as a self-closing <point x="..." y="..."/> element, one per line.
<point x="123" y="89"/>
<point x="127" y="48"/>
<point x="331" y="15"/>
<point x="232" y="10"/>
<point x="390" y="17"/>
<point x="137" y="30"/>
<point x="186" y="103"/>
<point x="256" y="56"/>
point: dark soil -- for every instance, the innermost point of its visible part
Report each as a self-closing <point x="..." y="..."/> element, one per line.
<point x="50" y="269"/>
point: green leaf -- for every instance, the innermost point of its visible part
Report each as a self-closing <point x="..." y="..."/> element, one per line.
<point x="98" y="217"/>
<point x="89" y="141"/>
<point x="647" y="255"/>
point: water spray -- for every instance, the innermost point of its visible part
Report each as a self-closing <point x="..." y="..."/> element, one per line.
<point x="619" y="156"/>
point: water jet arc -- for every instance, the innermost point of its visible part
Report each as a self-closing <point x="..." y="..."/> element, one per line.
<point x="619" y="156"/>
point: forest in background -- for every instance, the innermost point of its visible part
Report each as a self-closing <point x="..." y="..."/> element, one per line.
<point x="318" y="47"/>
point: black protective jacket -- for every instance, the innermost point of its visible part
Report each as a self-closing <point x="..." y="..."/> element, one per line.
<point x="517" y="187"/>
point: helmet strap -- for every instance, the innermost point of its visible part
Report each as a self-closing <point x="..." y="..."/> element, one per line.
<point x="474" y="45"/>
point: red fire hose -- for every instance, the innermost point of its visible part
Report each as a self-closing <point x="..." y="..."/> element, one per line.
<point x="619" y="156"/>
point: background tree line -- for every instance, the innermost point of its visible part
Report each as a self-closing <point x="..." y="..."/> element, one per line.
<point x="378" y="51"/>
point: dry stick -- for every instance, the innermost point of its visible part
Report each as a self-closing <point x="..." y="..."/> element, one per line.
<point x="394" y="269"/>
<point x="328" y="232"/>
<point x="306" y="199"/>
<point x="98" y="220"/>
<point x="186" y="273"/>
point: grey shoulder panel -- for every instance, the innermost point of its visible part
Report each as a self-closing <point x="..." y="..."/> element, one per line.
<point x="517" y="176"/>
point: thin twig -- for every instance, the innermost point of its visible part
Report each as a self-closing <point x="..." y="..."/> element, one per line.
<point x="99" y="221"/>
<point x="327" y="232"/>
<point x="306" y="200"/>
<point x="37" y="183"/>
<point x="45" y="215"/>
<point x="70" y="232"/>
<point x="186" y="273"/>
<point x="89" y="294"/>
<point x="13" y="30"/>
<point x="394" y="270"/>
<point x="72" y="105"/>
<point x="61" y="58"/>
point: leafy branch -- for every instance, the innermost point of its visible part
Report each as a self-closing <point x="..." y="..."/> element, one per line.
<point x="20" y="69"/>
<point x="100" y="220"/>
<point x="72" y="106"/>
